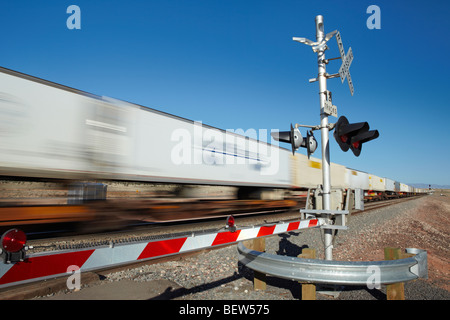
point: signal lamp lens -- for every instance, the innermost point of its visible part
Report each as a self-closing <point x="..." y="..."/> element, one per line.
<point x="230" y="222"/>
<point x="13" y="240"/>
<point x="356" y="144"/>
<point x="344" y="138"/>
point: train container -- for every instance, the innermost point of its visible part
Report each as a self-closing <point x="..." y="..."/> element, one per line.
<point x="338" y="176"/>
<point x="376" y="183"/>
<point x="189" y="152"/>
<point x="356" y="179"/>
<point x="53" y="131"/>
<point x="396" y="187"/>
<point x="389" y="185"/>
<point x="404" y="188"/>
<point x="307" y="173"/>
<point x="42" y="129"/>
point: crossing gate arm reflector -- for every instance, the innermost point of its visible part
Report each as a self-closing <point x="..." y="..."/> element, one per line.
<point x="336" y="272"/>
<point x="52" y="264"/>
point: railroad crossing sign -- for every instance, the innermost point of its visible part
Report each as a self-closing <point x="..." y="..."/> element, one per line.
<point x="346" y="62"/>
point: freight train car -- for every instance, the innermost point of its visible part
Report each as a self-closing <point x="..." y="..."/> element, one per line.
<point x="52" y="131"/>
<point x="48" y="130"/>
<point x="356" y="179"/>
<point x="376" y="187"/>
<point x="389" y="186"/>
<point x="307" y="173"/>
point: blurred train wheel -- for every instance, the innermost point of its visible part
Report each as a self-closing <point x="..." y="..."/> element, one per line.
<point x="252" y="193"/>
<point x="104" y="222"/>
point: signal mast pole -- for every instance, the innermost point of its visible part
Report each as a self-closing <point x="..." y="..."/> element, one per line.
<point x="327" y="108"/>
<point x="322" y="79"/>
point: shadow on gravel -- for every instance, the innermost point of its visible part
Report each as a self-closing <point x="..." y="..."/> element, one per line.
<point x="287" y="248"/>
<point x="346" y="293"/>
<point x="177" y="293"/>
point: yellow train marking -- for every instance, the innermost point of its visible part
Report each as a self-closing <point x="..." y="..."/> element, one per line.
<point x="315" y="164"/>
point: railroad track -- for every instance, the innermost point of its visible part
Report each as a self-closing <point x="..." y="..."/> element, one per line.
<point x="155" y="230"/>
<point x="373" y="205"/>
<point x="211" y="215"/>
<point x="44" y="220"/>
<point x="142" y="230"/>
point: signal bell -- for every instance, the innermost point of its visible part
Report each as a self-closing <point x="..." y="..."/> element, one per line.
<point x="353" y="135"/>
<point x="309" y="143"/>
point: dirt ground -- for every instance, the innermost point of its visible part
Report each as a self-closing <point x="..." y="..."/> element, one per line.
<point x="426" y="227"/>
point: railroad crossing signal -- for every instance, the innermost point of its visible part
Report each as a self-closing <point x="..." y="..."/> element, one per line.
<point x="347" y="59"/>
<point x="327" y="108"/>
<point x="295" y="139"/>
<point x="353" y="135"/>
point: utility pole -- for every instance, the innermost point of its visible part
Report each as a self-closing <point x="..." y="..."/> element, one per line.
<point x="326" y="176"/>
<point x="326" y="109"/>
<point x="348" y="136"/>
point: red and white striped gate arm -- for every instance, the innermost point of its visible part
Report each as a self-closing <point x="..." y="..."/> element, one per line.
<point x="52" y="264"/>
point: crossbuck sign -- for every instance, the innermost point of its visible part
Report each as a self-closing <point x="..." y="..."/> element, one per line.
<point x="346" y="62"/>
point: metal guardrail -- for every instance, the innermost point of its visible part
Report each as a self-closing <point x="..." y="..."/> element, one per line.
<point x="336" y="272"/>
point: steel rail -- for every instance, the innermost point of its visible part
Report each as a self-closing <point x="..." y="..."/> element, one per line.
<point x="337" y="272"/>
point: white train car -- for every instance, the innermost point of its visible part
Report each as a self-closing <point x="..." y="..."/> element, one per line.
<point x="52" y="131"/>
<point x="397" y="187"/>
<point x="183" y="151"/>
<point x="376" y="183"/>
<point x="404" y="189"/>
<point x="42" y="129"/>
<point x="307" y="173"/>
<point x="338" y="176"/>
<point x="356" y="179"/>
<point x="376" y="188"/>
<point x="389" y="185"/>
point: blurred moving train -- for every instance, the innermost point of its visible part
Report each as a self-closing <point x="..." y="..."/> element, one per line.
<point x="51" y="131"/>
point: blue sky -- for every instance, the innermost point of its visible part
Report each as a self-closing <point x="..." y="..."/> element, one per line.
<point x="232" y="64"/>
